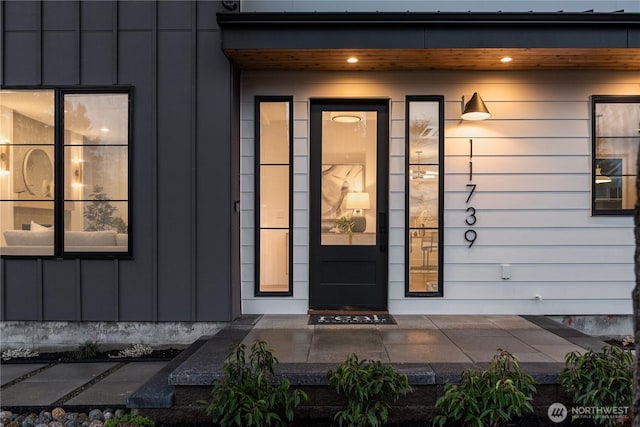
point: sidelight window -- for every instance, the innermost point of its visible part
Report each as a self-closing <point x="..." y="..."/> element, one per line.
<point x="424" y="190"/>
<point x="273" y="202"/>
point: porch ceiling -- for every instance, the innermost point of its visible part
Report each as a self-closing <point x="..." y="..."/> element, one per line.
<point x="432" y="41"/>
<point x="627" y="59"/>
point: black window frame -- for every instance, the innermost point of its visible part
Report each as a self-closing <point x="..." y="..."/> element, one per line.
<point x="595" y="161"/>
<point x="407" y="229"/>
<point x="59" y="170"/>
<point x="257" y="291"/>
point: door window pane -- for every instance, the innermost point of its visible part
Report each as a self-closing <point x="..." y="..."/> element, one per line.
<point x="349" y="178"/>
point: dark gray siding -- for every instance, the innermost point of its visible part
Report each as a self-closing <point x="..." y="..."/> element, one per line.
<point x="182" y="159"/>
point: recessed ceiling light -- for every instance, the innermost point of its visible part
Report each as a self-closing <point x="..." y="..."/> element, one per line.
<point x="104" y="129"/>
<point x="352" y="60"/>
<point x="506" y="59"/>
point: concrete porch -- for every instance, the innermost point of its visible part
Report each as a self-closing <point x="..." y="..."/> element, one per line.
<point x="431" y="350"/>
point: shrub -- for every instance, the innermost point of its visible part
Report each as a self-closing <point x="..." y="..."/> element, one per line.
<point x="369" y="386"/>
<point x="88" y="350"/>
<point x="601" y="380"/>
<point x="18" y="353"/>
<point x="495" y="396"/>
<point x="248" y="395"/>
<point x="135" y="350"/>
<point x="130" y="420"/>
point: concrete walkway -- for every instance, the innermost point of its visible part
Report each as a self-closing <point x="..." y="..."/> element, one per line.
<point x="430" y="349"/>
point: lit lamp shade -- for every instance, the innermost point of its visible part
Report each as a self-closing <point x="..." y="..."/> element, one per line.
<point x="475" y="109"/>
<point x="601" y="179"/>
<point x="358" y="202"/>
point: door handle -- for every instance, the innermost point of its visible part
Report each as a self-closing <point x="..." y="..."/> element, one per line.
<point x="382" y="226"/>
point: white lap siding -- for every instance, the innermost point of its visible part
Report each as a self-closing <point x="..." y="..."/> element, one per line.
<point x="532" y="167"/>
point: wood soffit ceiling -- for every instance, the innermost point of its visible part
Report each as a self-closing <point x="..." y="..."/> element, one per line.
<point x="319" y="41"/>
<point x="627" y="59"/>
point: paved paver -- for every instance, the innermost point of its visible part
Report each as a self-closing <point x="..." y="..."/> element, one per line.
<point x="115" y="388"/>
<point x="52" y="384"/>
<point x="11" y="372"/>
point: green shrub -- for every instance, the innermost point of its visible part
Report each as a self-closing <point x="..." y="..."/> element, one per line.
<point x="493" y="397"/>
<point x="130" y="420"/>
<point x="248" y="395"/>
<point x="88" y="350"/>
<point x="369" y="386"/>
<point x="600" y="380"/>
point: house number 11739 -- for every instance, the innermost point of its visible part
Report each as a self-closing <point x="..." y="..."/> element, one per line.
<point x="470" y="235"/>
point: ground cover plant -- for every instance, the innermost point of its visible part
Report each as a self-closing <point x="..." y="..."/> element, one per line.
<point x="369" y="387"/>
<point x="248" y="393"/>
<point x="603" y="380"/>
<point x="490" y="397"/>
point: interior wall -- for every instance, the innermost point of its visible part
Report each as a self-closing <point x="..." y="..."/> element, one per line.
<point x="532" y="167"/>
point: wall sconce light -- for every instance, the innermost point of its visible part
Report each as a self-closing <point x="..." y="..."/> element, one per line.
<point x="358" y="202"/>
<point x="346" y="116"/>
<point x="475" y="109"/>
<point x="4" y="160"/>
<point x="601" y="179"/>
<point x="77" y="174"/>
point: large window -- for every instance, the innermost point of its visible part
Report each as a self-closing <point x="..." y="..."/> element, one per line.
<point x="424" y="189"/>
<point x="64" y="172"/>
<point x="273" y="200"/>
<point x="616" y="137"/>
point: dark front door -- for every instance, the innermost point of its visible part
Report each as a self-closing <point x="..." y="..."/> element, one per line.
<point x="349" y="204"/>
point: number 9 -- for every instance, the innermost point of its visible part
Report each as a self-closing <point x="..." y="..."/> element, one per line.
<point x="470" y="236"/>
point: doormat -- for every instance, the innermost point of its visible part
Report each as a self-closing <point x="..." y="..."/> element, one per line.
<point x="351" y="319"/>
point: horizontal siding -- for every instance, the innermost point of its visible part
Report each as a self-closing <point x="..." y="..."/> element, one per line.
<point x="532" y="167"/>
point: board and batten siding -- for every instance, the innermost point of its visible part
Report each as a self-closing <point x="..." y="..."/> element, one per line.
<point x="532" y="167"/>
<point x="181" y="202"/>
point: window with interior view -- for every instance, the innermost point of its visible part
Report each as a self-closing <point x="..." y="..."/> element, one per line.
<point x="64" y="172"/>
<point x="424" y="190"/>
<point x="273" y="202"/>
<point x="616" y="137"/>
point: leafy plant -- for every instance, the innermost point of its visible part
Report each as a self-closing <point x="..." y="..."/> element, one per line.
<point x="369" y="386"/>
<point x="490" y="398"/>
<point x="88" y="350"/>
<point x="248" y="395"/>
<point x="345" y="224"/>
<point x="601" y="380"/>
<point x="99" y="213"/>
<point x="130" y="420"/>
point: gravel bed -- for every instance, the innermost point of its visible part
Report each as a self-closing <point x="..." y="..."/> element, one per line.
<point x="58" y="417"/>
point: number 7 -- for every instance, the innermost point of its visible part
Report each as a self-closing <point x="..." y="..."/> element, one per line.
<point x="473" y="188"/>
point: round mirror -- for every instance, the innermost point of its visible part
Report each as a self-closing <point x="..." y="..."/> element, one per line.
<point x="38" y="173"/>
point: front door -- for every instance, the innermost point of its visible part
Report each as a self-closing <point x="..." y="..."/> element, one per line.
<point x="349" y="204"/>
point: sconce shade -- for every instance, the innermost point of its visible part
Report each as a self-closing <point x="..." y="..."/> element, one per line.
<point x="358" y="201"/>
<point x="475" y="109"/>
